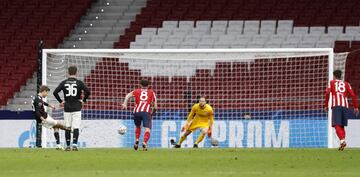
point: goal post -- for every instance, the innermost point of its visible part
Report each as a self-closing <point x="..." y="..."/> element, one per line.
<point x="262" y="97"/>
<point x="330" y="76"/>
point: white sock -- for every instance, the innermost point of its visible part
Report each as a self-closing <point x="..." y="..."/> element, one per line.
<point x="342" y="141"/>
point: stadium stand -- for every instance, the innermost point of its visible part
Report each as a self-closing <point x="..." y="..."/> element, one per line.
<point x="245" y="24"/>
<point x="325" y="19"/>
<point x="184" y="24"/>
<point x="102" y="25"/>
<point x="23" y="24"/>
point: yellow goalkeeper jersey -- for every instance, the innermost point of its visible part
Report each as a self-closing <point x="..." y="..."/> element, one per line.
<point x="204" y="117"/>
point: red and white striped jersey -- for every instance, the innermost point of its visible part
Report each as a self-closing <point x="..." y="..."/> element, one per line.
<point x="143" y="99"/>
<point x="339" y="91"/>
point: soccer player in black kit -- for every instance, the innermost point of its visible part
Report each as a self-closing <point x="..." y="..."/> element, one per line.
<point x="72" y="89"/>
<point x="43" y="118"/>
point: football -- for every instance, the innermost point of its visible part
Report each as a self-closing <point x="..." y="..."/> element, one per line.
<point x="214" y="142"/>
<point x="122" y="130"/>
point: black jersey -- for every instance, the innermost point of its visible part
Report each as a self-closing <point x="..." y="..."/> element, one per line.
<point x="38" y="107"/>
<point x="72" y="89"/>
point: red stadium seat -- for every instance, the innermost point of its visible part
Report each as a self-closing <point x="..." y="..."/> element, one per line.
<point x="214" y="83"/>
<point x="23" y="25"/>
<point x="355" y="45"/>
<point x="342" y="46"/>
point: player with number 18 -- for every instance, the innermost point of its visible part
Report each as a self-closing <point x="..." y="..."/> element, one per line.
<point x="339" y="90"/>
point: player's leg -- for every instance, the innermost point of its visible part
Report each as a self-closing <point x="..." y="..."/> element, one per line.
<point x="61" y="126"/>
<point x="337" y="121"/>
<point x="57" y="127"/>
<point x="68" y="122"/>
<point x="38" y="133"/>
<point x="137" y="122"/>
<point x="57" y="138"/>
<point x="340" y="132"/>
<point x="147" y="125"/>
<point x="344" y="121"/>
<point x="182" y="138"/>
<point x="342" y="141"/>
<point x="191" y="129"/>
<point x="146" y="138"/>
<point x="203" y="132"/>
<point x="51" y="123"/>
<point x="76" y="122"/>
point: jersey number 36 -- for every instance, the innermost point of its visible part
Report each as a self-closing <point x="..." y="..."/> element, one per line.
<point x="71" y="89"/>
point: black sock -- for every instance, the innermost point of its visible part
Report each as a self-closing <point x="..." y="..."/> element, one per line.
<point x="38" y="134"/>
<point x="68" y="137"/>
<point x="57" y="137"/>
<point x="75" y="136"/>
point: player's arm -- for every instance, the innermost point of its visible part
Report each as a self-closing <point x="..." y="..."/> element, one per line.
<point x="327" y="97"/>
<point x="189" y="118"/>
<point x="56" y="92"/>
<point x="49" y="105"/>
<point x="155" y="107"/>
<point x="354" y="99"/>
<point x="127" y="97"/>
<point x="37" y="109"/>
<point x="211" y="122"/>
<point x="86" y="92"/>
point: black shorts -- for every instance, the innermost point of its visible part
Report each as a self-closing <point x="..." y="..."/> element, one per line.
<point x="340" y="116"/>
<point x="143" y="117"/>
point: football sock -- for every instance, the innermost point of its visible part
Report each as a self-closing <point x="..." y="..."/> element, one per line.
<point x="137" y="133"/>
<point x="75" y="136"/>
<point x="38" y="134"/>
<point x="200" y="138"/>
<point x="146" y="137"/>
<point x="57" y="137"/>
<point x="68" y="137"/>
<point x="182" y="139"/>
<point x="340" y="132"/>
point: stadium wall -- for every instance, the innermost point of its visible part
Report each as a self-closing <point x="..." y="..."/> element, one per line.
<point x="239" y="133"/>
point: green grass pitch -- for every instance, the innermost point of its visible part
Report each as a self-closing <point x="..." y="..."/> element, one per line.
<point x="214" y="162"/>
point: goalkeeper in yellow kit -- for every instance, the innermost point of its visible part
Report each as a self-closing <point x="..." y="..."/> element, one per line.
<point x="201" y="117"/>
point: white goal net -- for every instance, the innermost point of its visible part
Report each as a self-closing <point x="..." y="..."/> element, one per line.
<point x="261" y="97"/>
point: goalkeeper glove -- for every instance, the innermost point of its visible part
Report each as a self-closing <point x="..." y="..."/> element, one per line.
<point x="209" y="132"/>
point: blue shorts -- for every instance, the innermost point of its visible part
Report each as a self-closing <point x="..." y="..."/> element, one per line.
<point x="340" y="116"/>
<point x="143" y="117"/>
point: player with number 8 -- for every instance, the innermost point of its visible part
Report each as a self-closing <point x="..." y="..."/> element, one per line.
<point x="146" y="105"/>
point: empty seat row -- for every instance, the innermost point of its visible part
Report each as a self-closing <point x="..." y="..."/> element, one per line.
<point x="269" y="44"/>
<point x="245" y="38"/>
<point x="247" y="16"/>
<point x="103" y="24"/>
<point x="236" y="27"/>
